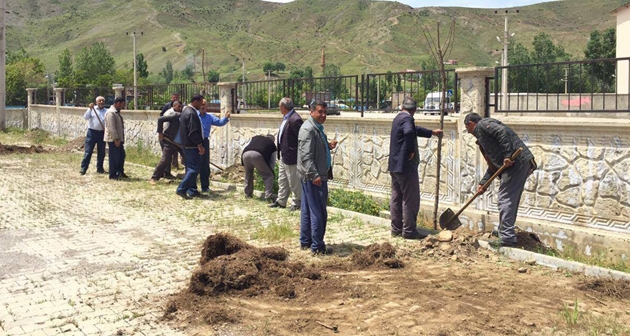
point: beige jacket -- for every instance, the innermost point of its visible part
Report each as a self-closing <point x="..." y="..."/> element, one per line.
<point x="114" y="126"/>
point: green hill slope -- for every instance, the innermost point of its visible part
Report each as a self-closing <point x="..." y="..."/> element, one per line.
<point x="359" y="35"/>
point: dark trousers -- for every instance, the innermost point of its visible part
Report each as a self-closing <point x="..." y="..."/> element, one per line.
<point x="116" y="160"/>
<point x="251" y="160"/>
<point x="405" y="201"/>
<point x="172" y="162"/>
<point x="193" y="162"/>
<point x="509" y="197"/>
<point x="164" y="165"/>
<point x="92" y="139"/>
<point x="204" y="172"/>
<point x="313" y="216"/>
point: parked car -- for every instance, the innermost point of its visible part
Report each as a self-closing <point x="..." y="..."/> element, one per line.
<point x="333" y="109"/>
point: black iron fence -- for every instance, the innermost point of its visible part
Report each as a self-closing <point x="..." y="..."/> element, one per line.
<point x="153" y="97"/>
<point x="83" y="96"/>
<point x="588" y="86"/>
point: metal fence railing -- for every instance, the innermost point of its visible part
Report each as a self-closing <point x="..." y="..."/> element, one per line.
<point x="588" y="86"/>
<point x="153" y="97"/>
<point x="386" y="91"/>
<point x="83" y="96"/>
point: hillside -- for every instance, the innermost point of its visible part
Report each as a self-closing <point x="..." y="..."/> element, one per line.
<point x="359" y="35"/>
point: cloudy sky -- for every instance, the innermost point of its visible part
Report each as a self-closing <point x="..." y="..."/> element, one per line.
<point x="464" y="3"/>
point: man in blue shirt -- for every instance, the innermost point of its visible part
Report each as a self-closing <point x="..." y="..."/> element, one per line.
<point x="207" y="120"/>
<point x="95" y="115"/>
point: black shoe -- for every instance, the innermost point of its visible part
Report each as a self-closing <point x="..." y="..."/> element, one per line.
<point x="249" y="196"/>
<point x="82" y="172"/>
<point x="294" y="207"/>
<point x="304" y="247"/>
<point x="498" y="243"/>
<point x="183" y="195"/>
<point x="117" y="178"/>
<point x="169" y="177"/>
<point x="195" y="194"/>
<point x="327" y="251"/>
<point x="276" y="205"/>
<point x="123" y="175"/>
<point x="100" y="171"/>
<point x="396" y="234"/>
<point x="414" y="235"/>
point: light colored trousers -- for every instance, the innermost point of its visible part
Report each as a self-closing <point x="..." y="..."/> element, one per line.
<point x="289" y="181"/>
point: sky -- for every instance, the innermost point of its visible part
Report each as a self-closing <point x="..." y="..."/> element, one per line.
<point x="463" y="3"/>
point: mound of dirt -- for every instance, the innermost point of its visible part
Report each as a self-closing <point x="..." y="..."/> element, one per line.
<point x="456" y="244"/>
<point x="232" y="174"/>
<point x="618" y="289"/>
<point x="11" y="149"/>
<point x="379" y="255"/>
<point x="228" y="264"/>
<point x="77" y="144"/>
<point x="530" y="242"/>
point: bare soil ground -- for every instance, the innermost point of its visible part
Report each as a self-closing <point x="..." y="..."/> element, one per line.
<point x="441" y="287"/>
<point x="13" y="149"/>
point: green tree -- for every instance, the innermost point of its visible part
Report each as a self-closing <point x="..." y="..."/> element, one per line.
<point x="65" y="72"/>
<point x="188" y="73"/>
<point x="142" y="65"/>
<point x="95" y="66"/>
<point x="167" y="72"/>
<point x="213" y="76"/>
<point x="22" y="72"/>
<point x="269" y="67"/>
<point x="545" y="51"/>
<point x="600" y="46"/>
<point x="280" y="67"/>
<point x="332" y="84"/>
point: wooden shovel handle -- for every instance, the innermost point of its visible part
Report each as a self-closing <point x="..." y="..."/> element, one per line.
<point x="497" y="173"/>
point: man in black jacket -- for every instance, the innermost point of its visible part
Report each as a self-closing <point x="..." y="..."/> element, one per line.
<point x="260" y="153"/>
<point x="191" y="135"/>
<point x="288" y="179"/>
<point x="404" y="158"/>
<point x="168" y="138"/>
<point x="497" y="143"/>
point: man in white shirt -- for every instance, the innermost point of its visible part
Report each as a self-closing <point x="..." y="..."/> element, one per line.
<point x="95" y="116"/>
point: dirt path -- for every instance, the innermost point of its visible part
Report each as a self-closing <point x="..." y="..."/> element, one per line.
<point x="82" y="255"/>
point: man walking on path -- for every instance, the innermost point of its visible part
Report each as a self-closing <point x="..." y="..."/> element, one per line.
<point x="168" y="139"/>
<point x="191" y="135"/>
<point x="260" y="153"/>
<point x="174" y="159"/>
<point x="115" y="138"/>
<point x="207" y="120"/>
<point x="313" y="165"/>
<point x="95" y="115"/>
<point x="404" y="158"/>
<point x="497" y="143"/>
<point x="288" y="179"/>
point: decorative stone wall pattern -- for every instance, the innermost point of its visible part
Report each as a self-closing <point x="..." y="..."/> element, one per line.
<point x="16" y="118"/>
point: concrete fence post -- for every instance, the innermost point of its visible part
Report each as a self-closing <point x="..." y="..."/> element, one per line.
<point x="473" y="100"/>
<point x="58" y="96"/>
<point x="30" y="100"/>
<point x="118" y="91"/>
<point x="227" y="96"/>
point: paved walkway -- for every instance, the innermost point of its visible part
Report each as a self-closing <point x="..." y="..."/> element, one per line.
<point x="83" y="255"/>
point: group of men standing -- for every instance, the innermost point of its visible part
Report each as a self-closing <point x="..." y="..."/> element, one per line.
<point x="305" y="167"/>
<point x="105" y="126"/>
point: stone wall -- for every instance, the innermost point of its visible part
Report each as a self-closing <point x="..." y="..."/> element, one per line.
<point x="16" y="117"/>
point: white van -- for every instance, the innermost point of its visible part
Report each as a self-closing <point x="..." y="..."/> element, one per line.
<point x="432" y="104"/>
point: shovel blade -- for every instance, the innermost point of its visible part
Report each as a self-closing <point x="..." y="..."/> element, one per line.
<point x="449" y="221"/>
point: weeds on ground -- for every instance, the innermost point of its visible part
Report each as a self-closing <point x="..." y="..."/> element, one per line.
<point x="571" y="315"/>
<point x="588" y="323"/>
<point x="356" y="201"/>
<point x="600" y="258"/>
<point x="140" y="153"/>
<point x="35" y="136"/>
<point x="275" y="232"/>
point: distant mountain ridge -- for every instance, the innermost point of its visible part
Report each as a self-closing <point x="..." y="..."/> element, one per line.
<point x="359" y="35"/>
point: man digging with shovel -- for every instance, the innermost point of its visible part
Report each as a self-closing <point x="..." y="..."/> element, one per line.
<point x="497" y="143"/>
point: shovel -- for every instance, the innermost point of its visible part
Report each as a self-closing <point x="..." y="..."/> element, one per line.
<point x="449" y="220"/>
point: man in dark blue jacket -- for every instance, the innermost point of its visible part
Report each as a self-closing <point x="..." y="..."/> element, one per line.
<point x="191" y="135"/>
<point x="403" y="169"/>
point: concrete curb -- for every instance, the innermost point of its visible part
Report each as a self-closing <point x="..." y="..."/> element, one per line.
<point x="555" y="263"/>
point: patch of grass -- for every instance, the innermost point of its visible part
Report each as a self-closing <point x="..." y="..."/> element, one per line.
<point x="275" y="232"/>
<point x="141" y="154"/>
<point x="260" y="185"/>
<point x="14" y="135"/>
<point x="356" y="201"/>
<point x="571" y="315"/>
<point x="599" y="258"/>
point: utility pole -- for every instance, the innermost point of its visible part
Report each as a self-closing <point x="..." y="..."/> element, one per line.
<point x="566" y="81"/>
<point x="244" y="87"/>
<point x="504" y="59"/>
<point x="3" y="86"/>
<point x="135" y="71"/>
